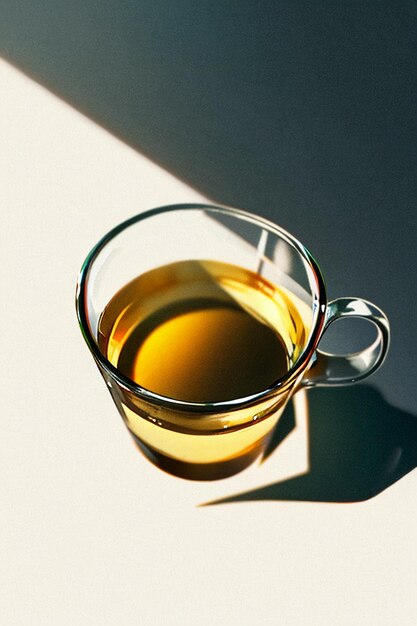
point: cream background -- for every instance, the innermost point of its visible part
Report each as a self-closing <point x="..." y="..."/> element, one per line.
<point x="90" y="532"/>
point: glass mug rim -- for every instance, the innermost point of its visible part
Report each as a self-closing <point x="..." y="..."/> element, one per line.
<point x="204" y="407"/>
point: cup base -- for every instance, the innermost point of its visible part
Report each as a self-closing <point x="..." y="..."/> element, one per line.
<point x="199" y="471"/>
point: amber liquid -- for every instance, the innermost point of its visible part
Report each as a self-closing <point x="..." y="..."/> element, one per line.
<point x="202" y="332"/>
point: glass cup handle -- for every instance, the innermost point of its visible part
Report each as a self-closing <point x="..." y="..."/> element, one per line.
<point x="332" y="369"/>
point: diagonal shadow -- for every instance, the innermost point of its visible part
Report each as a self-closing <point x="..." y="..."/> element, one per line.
<point x="302" y="112"/>
<point x="359" y="445"/>
<point x="299" y="111"/>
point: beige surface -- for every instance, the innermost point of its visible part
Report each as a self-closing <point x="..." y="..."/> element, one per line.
<point x="91" y="533"/>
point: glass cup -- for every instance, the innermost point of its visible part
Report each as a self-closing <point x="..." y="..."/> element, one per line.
<point x="206" y="440"/>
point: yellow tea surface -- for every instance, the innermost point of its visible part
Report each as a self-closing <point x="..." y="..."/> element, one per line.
<point x="201" y="331"/>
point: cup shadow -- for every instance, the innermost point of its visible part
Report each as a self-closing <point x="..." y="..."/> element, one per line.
<point x="359" y="445"/>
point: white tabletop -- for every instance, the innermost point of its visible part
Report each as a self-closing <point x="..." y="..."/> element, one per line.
<point x="92" y="533"/>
